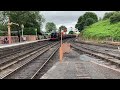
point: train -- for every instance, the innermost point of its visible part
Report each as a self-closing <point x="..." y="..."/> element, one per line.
<point x="55" y="36"/>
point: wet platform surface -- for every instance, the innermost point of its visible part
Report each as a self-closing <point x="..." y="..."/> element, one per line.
<point x="77" y="66"/>
<point x="70" y="68"/>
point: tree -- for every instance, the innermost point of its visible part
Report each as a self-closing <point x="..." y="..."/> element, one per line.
<point x="108" y="15"/>
<point x="115" y="17"/>
<point x="3" y="26"/>
<point x="80" y="26"/>
<point x="89" y="21"/>
<point x="30" y="19"/>
<point x="80" y="23"/>
<point x="71" y="32"/>
<point x="50" y="26"/>
<point x="85" y="20"/>
<point x="90" y="15"/>
<point x="62" y="28"/>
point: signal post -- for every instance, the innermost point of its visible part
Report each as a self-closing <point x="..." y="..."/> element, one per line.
<point x="65" y="48"/>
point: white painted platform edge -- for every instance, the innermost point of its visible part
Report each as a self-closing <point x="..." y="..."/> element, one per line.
<point x="16" y="44"/>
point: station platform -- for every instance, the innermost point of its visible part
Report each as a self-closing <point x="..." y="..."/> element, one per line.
<point x="21" y="43"/>
<point x="71" y="68"/>
<point x="81" y="66"/>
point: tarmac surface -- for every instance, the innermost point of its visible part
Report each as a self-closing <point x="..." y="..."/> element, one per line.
<point x="81" y="66"/>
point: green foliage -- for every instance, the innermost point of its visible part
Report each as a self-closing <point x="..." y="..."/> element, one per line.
<point x="62" y="28"/>
<point x="50" y="26"/>
<point x="89" y="21"/>
<point x="29" y="31"/>
<point x="1" y="33"/>
<point x="108" y="15"/>
<point x="30" y="19"/>
<point x="115" y="17"/>
<point x="3" y="28"/>
<point x="80" y="23"/>
<point x="90" y="15"/>
<point x="80" y="19"/>
<point x="71" y="32"/>
<point x="85" y="20"/>
<point x="102" y="29"/>
<point x="80" y="26"/>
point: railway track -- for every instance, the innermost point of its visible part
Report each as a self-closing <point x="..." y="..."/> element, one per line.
<point x="101" y="45"/>
<point x="12" y="67"/>
<point x="36" y="74"/>
<point x="11" y="57"/>
<point x="30" y="65"/>
<point x="101" y="55"/>
<point x="11" y="51"/>
<point x="106" y="51"/>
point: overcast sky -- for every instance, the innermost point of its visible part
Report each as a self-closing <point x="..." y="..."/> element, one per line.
<point x="67" y="18"/>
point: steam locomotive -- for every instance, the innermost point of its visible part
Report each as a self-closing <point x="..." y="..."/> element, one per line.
<point x="55" y="36"/>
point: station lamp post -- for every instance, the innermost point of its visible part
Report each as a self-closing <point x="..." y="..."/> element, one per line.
<point x="22" y="26"/>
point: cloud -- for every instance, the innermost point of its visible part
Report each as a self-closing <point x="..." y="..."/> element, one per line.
<point x="67" y="18"/>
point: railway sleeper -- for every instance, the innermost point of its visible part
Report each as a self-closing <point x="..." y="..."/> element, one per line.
<point x="102" y="45"/>
<point x="100" y="56"/>
<point x="109" y="54"/>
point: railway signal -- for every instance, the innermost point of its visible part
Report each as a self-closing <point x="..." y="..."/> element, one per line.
<point x="61" y="49"/>
<point x="65" y="48"/>
<point x="65" y="30"/>
<point x="9" y="31"/>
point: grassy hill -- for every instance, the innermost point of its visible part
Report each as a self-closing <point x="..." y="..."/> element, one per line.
<point x="102" y="30"/>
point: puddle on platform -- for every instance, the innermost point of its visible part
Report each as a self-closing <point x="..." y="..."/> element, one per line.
<point x="85" y="57"/>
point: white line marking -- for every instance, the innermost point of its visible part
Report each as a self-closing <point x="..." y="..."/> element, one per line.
<point x="106" y="66"/>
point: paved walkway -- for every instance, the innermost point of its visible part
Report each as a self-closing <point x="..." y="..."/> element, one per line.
<point x="70" y="68"/>
<point x="76" y="66"/>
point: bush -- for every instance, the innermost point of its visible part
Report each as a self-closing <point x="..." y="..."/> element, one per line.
<point x="108" y="15"/>
<point x="89" y="21"/>
<point x="1" y="34"/>
<point x="29" y="31"/>
<point x="71" y="32"/>
<point x="115" y="18"/>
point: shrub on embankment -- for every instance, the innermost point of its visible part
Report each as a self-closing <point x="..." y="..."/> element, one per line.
<point x="102" y="30"/>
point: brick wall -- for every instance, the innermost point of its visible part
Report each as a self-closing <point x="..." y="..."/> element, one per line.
<point x="15" y="38"/>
